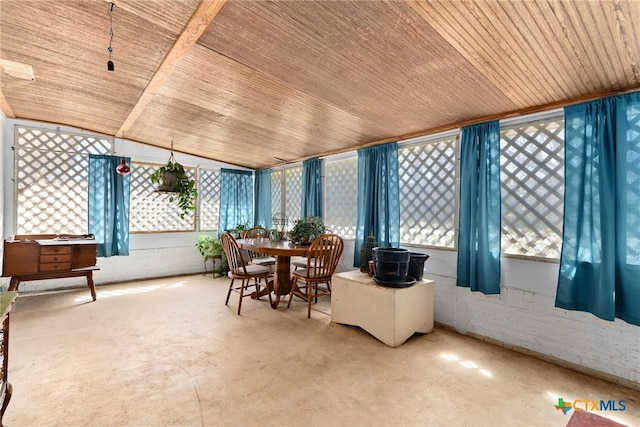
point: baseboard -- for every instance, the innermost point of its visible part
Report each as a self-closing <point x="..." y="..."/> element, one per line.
<point x="551" y="359"/>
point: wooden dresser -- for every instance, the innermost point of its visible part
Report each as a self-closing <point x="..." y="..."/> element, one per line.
<point x="49" y="256"/>
<point x="6" y="300"/>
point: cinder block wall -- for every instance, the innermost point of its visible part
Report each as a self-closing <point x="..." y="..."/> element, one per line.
<point x="524" y="316"/>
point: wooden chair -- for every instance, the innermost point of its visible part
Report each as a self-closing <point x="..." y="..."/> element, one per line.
<point x="301" y="261"/>
<point x="322" y="260"/>
<point x="248" y="274"/>
<point x="256" y="257"/>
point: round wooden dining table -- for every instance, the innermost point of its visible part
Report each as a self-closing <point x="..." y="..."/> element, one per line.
<point x="282" y="251"/>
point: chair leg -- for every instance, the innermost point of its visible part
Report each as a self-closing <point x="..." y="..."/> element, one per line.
<point x="310" y="298"/>
<point x="294" y="285"/>
<point x="229" y="293"/>
<point x="241" y="295"/>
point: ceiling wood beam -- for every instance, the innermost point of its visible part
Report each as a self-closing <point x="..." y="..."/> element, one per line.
<point x="201" y="19"/>
<point x="6" y="108"/>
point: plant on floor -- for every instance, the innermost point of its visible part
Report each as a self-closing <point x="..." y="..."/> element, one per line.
<point x="211" y="248"/>
<point x="306" y="229"/>
<point x="173" y="179"/>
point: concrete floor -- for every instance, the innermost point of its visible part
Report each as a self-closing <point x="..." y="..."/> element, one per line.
<point x="168" y="352"/>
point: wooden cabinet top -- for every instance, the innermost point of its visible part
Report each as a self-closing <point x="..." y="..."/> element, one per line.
<point x="53" y="239"/>
<point x="57" y="242"/>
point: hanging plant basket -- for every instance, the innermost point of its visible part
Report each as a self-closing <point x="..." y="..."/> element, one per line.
<point x="172" y="178"/>
<point x="169" y="180"/>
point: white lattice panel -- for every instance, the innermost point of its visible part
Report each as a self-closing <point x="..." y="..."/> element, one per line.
<point x="341" y="196"/>
<point x="276" y="192"/>
<point x="51" y="178"/>
<point x="209" y="195"/>
<point x="428" y="193"/>
<point x="632" y="179"/>
<point x="293" y="197"/>
<point x="532" y="177"/>
<point x="153" y="211"/>
<point x="279" y="219"/>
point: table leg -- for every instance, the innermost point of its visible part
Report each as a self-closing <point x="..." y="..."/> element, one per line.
<point x="91" y="285"/>
<point x="13" y="283"/>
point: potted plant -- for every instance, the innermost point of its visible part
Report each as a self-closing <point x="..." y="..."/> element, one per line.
<point x="211" y="248"/>
<point x="173" y="179"/>
<point x="306" y="229"/>
<point x="238" y="231"/>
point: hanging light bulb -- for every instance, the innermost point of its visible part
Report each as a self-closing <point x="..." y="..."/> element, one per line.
<point x="123" y="168"/>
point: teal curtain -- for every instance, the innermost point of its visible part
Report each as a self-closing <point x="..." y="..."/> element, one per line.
<point x="600" y="260"/>
<point x="480" y="208"/>
<point x="236" y="198"/>
<point x="378" y="197"/>
<point x="109" y="205"/>
<point x="262" y="215"/>
<point x="311" y="188"/>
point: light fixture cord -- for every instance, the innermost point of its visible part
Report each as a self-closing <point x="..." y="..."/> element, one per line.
<point x="110" y="49"/>
<point x="171" y="158"/>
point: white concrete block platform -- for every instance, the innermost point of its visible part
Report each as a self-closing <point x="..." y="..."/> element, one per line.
<point x="392" y="315"/>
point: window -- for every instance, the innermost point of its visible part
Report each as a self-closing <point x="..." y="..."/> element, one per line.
<point x="428" y="199"/>
<point x="532" y="176"/>
<point x="341" y="196"/>
<point x="276" y="197"/>
<point x="293" y="198"/>
<point x="209" y="196"/>
<point x="151" y="211"/>
<point x="286" y="192"/>
<point x="51" y="179"/>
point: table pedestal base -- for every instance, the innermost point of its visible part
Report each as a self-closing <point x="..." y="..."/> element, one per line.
<point x="281" y="283"/>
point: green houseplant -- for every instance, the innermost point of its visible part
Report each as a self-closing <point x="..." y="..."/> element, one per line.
<point x="211" y="248"/>
<point x="238" y="231"/>
<point x="173" y="179"/>
<point x="306" y="229"/>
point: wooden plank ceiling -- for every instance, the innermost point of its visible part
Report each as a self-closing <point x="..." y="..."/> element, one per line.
<point x="263" y="83"/>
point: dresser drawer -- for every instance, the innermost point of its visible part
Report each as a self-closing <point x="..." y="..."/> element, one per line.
<point x="53" y="250"/>
<point x="55" y="258"/>
<point x="55" y="266"/>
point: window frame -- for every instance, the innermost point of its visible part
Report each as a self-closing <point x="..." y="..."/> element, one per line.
<point x="433" y="139"/>
<point x="194" y="222"/>
<point x="550" y="115"/>
<point x="78" y="150"/>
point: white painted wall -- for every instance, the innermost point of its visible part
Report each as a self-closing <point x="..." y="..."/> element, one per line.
<point x="523" y="315"/>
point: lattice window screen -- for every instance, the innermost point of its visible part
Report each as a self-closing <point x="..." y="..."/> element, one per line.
<point x="428" y="193"/>
<point x="532" y="176"/>
<point x="150" y="210"/>
<point x="276" y="191"/>
<point x="341" y="196"/>
<point x="209" y="196"/>
<point x="632" y="166"/>
<point x="51" y="179"/>
<point x="277" y="209"/>
<point x="293" y="185"/>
